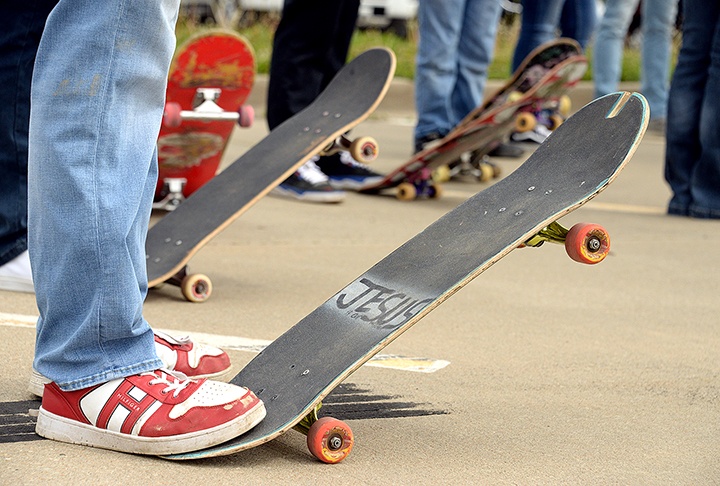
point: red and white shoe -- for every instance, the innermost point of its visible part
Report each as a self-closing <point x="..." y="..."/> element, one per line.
<point x="189" y="358"/>
<point x="156" y="413"/>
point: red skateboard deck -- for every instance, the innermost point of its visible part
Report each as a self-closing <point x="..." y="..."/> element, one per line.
<point x="223" y="62"/>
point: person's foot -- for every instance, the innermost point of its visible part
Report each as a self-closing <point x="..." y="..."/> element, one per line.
<point x="154" y="413"/>
<point x="310" y="184"/>
<point x="508" y="150"/>
<point x="16" y="276"/>
<point x="536" y="135"/>
<point x="344" y="172"/>
<point x="427" y="141"/>
<point x="189" y="358"/>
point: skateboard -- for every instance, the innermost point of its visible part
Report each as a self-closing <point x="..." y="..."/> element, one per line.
<point x="295" y="372"/>
<point x="210" y="78"/>
<point x="350" y="97"/>
<point x="486" y="126"/>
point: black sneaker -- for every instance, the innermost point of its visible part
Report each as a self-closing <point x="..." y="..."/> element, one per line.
<point x="507" y="150"/>
<point x="344" y="172"/>
<point x="427" y="141"/>
<point x="309" y="184"/>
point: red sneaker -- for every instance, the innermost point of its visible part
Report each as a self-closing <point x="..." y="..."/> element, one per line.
<point x="154" y="413"/>
<point x="193" y="359"/>
<point x="190" y="358"/>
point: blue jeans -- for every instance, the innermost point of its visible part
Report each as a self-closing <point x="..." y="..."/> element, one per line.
<point x="457" y="41"/>
<point x="658" y="20"/>
<point x="577" y="20"/>
<point x="21" y="24"/>
<point x="539" y="24"/>
<point x="692" y="156"/>
<point x="97" y="99"/>
<point x="543" y="20"/>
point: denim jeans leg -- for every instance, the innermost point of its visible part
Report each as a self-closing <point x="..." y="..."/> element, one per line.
<point x="539" y="23"/>
<point x="21" y="25"/>
<point x="609" y="43"/>
<point x="658" y="21"/>
<point x="705" y="181"/>
<point x="436" y="67"/>
<point x="686" y="102"/>
<point x="97" y="100"/>
<point x="475" y="53"/>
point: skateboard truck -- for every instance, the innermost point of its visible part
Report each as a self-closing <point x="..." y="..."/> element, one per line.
<point x="585" y="242"/>
<point x="205" y="108"/>
<point x="362" y="149"/>
<point x="171" y="194"/>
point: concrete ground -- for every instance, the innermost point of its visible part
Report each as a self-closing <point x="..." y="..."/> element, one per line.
<point x="540" y="371"/>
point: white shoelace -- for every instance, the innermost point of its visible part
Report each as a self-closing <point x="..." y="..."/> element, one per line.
<point x="173" y="380"/>
<point x="311" y="173"/>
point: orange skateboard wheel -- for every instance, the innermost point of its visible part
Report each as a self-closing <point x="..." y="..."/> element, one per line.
<point x="172" y="114"/>
<point x="587" y="243"/>
<point x="330" y="440"/>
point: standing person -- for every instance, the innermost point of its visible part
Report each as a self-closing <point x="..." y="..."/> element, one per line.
<point x="457" y="43"/>
<point x="97" y="98"/>
<point x="310" y="46"/>
<point x="21" y="24"/>
<point x="692" y="157"/>
<point x="658" y="19"/>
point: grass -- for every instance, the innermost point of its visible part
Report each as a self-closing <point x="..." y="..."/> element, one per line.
<point x="260" y="34"/>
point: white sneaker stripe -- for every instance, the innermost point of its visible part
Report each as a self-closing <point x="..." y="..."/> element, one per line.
<point x="145" y="416"/>
<point x="93" y="403"/>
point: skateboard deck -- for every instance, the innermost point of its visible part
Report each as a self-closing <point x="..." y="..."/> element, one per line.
<point x="486" y="126"/>
<point x="294" y="373"/>
<point x="351" y="97"/>
<point x="217" y="60"/>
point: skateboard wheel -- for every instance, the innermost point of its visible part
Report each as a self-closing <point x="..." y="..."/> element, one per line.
<point x="565" y="105"/>
<point x="487" y="172"/>
<point x="514" y="96"/>
<point x="172" y="115"/>
<point x="247" y="116"/>
<point x="406" y="192"/>
<point x="524" y="122"/>
<point x="435" y="191"/>
<point x="330" y="440"/>
<point x="196" y="287"/>
<point x="555" y="121"/>
<point x="587" y="243"/>
<point x="441" y="173"/>
<point x="364" y="149"/>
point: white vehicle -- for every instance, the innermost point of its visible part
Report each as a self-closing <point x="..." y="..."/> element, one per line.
<point x="384" y="14"/>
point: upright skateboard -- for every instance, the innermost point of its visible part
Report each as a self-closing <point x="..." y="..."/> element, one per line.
<point x="294" y="373"/>
<point x="210" y="78"/>
<point x="350" y="98"/>
<point x="538" y="82"/>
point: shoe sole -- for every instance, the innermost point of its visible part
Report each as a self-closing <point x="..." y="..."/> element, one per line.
<point x="16" y="284"/>
<point x="56" y="427"/>
<point x="310" y="196"/>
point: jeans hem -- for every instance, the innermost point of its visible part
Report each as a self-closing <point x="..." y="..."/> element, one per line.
<point x="105" y="376"/>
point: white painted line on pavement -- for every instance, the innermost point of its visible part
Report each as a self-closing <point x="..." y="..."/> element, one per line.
<point x="395" y="362"/>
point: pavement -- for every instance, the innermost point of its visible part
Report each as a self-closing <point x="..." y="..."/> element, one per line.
<point x="540" y="371"/>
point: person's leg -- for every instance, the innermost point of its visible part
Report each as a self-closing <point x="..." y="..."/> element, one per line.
<point x="309" y="42"/>
<point x="705" y="181"/>
<point x="578" y="20"/>
<point x="658" y="21"/>
<point x="609" y="43"/>
<point x="21" y="25"/>
<point x="436" y="67"/>
<point x="475" y="53"/>
<point x="686" y="102"/>
<point x="538" y="25"/>
<point x="97" y="101"/>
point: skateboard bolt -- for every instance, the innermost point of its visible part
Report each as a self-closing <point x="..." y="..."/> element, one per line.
<point x="594" y="244"/>
<point x="335" y="442"/>
<point x="531" y="188"/>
